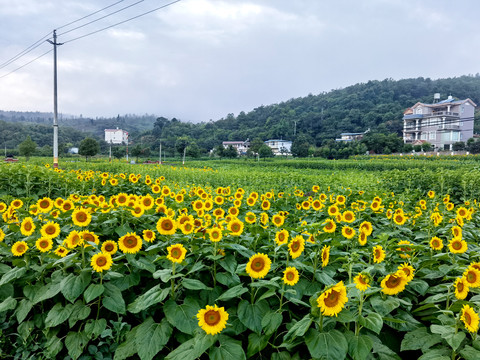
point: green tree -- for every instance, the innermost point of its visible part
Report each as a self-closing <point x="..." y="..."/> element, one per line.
<point x="474" y="147"/>
<point x="426" y="146"/>
<point x="230" y="152"/>
<point x="458" y="146"/>
<point x="301" y="146"/>
<point x="118" y="151"/>
<point x="256" y="144"/>
<point x="88" y="147"/>
<point x="193" y="150"/>
<point x="265" y="151"/>
<point x="181" y="144"/>
<point x="136" y="151"/>
<point x="27" y="147"/>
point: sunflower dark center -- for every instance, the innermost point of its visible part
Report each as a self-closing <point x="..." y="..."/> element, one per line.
<point x="212" y="317"/>
<point x="332" y="298"/>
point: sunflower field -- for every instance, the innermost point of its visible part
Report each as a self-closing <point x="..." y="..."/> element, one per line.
<point x="239" y="261"/>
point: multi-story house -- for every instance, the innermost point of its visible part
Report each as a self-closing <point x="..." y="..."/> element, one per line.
<point x="441" y="124"/>
<point x="116" y="136"/>
<point x="240" y="146"/>
<point x="280" y="147"/>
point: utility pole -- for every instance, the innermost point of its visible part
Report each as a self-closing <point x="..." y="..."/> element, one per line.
<point x="55" y="111"/>
<point x="160" y="157"/>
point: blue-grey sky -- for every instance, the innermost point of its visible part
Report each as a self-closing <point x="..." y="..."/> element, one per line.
<point x="198" y="60"/>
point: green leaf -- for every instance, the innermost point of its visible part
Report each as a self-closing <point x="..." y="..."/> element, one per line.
<point x="53" y="346"/>
<point x="436" y="354"/>
<point x="455" y="340"/>
<point x="256" y="343"/>
<point x="251" y="315"/>
<point x="15" y="273"/>
<point x="234" y="292"/>
<point x="193" y="284"/>
<point x="152" y="337"/>
<point x="384" y="307"/>
<point x="6" y="291"/>
<point x="193" y="348"/>
<point x="372" y="321"/>
<point x="128" y="348"/>
<point x="227" y="279"/>
<point x="163" y="274"/>
<point x="470" y="353"/>
<point x="93" y="291"/>
<point x="80" y="312"/>
<point x="359" y="346"/>
<point x="23" y="309"/>
<point x="183" y="317"/>
<point x="229" y="263"/>
<point x="25" y="329"/>
<point x="419" y="339"/>
<point x="299" y="328"/>
<point x="73" y="286"/>
<point x="45" y="292"/>
<point x="331" y="345"/>
<point x="229" y="349"/>
<point x="271" y="321"/>
<point x="75" y="342"/>
<point x="113" y="299"/>
<point x="419" y="286"/>
<point x="93" y="328"/>
<point x="142" y="263"/>
<point x="442" y="330"/>
<point x="58" y="314"/>
<point x="153" y="296"/>
<point x="8" y="304"/>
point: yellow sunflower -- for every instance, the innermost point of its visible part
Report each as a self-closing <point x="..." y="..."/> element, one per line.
<point x="61" y="251"/>
<point x="50" y="230"/>
<point x="348" y="216"/>
<point x="470" y="318"/>
<point x="265" y="205"/>
<point x="81" y="217"/>
<point x="333" y="300"/>
<point x="408" y="270"/>
<point x="109" y="247"/>
<point x="130" y="243"/>
<point x="73" y="239"/>
<point x="89" y="237"/>
<point x="148" y="235"/>
<point x="258" y="266"/>
<point x="404" y="249"/>
<point x="166" y="226"/>
<point x="362" y="238"/>
<point x="27" y="227"/>
<point x="176" y="253"/>
<point x="19" y="248"/>
<point x="362" y="282"/>
<point x="250" y="217"/>
<point x="366" y="227"/>
<point x="278" y="220"/>
<point x="457" y="232"/>
<point x="101" y="261"/>
<point x="399" y="218"/>
<point x="325" y="255"/>
<point x="215" y="234"/>
<point x="436" y="243"/>
<point x="212" y="319"/>
<point x="329" y="226"/>
<point x="461" y="288"/>
<point x="296" y="246"/>
<point x="44" y="244"/>
<point x="235" y="227"/>
<point x="348" y="232"/>
<point x="378" y="254"/>
<point x="290" y="276"/>
<point x="333" y="210"/>
<point x="281" y="237"/>
<point x="472" y="277"/>
<point x="2" y="235"/>
<point x="45" y="205"/>
<point x="394" y="283"/>
<point x="457" y="246"/>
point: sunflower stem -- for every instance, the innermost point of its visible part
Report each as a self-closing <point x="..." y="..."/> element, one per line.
<point x="214" y="264"/>
<point x="315" y="264"/>
<point x="83" y="256"/>
<point x="172" y="280"/>
<point x="252" y="295"/>
<point x="281" y="298"/>
<point x="100" y="297"/>
<point x="320" y="323"/>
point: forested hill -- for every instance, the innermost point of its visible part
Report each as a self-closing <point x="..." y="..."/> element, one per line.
<point x="378" y="105"/>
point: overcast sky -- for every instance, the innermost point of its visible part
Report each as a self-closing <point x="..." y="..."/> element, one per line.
<point x="198" y="60"/>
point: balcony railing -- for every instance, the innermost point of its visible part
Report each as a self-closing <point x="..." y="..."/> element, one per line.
<point x="445" y="113"/>
<point x="449" y="127"/>
<point x="412" y="116"/>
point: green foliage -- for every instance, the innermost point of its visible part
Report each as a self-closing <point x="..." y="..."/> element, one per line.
<point x="88" y="147"/>
<point x="27" y="147"/>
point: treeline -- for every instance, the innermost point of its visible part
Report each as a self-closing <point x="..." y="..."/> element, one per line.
<point x="312" y="123"/>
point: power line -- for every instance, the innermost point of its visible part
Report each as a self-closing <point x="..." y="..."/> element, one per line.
<point x="28" y="63"/>
<point x="101" y="18"/>
<point x="122" y="22"/>
<point x="40" y="42"/>
<point x="84" y="17"/>
<point x="25" y="51"/>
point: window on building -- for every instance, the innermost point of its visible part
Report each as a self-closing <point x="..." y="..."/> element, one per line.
<point x="431" y="135"/>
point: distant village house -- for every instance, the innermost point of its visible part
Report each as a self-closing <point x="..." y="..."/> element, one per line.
<point x="116" y="136"/>
<point x="280" y="147"/>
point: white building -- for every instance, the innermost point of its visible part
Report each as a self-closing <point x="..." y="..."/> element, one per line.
<point x="240" y="146"/>
<point x="280" y="147"/>
<point x="116" y="136"/>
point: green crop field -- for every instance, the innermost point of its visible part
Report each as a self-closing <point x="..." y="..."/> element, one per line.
<point x="368" y="258"/>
